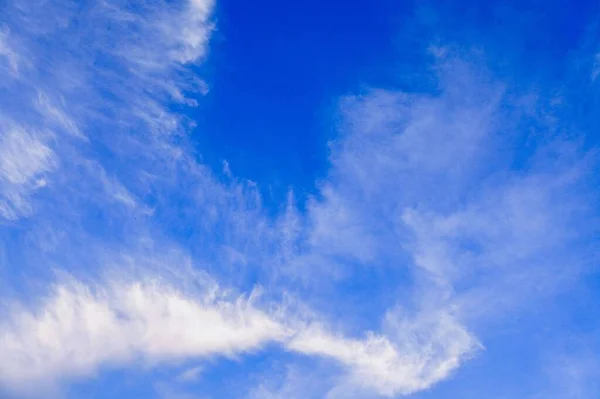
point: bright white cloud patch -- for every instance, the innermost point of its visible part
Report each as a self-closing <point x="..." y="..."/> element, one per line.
<point x="78" y="329"/>
<point x="420" y="353"/>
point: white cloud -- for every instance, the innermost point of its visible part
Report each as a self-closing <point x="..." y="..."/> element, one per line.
<point x="79" y="329"/>
<point x="399" y="150"/>
<point x="434" y="177"/>
<point x="55" y="115"/>
<point x="516" y="234"/>
<point x="415" y="355"/>
<point x="189" y="375"/>
<point x="24" y="162"/>
<point x="176" y="33"/>
<point x="195" y="31"/>
<point x="7" y="53"/>
<point x="68" y="94"/>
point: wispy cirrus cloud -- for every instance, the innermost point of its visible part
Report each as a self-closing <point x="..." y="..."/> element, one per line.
<point x="427" y="208"/>
<point x="77" y="330"/>
<point x="24" y="160"/>
<point x="414" y="355"/>
<point x="436" y="178"/>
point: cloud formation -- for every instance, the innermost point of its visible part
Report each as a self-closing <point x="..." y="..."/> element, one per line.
<point x="392" y="272"/>
<point x="24" y="160"/>
<point x="77" y="330"/>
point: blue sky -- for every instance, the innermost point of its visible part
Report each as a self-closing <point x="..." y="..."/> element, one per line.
<point x="262" y="200"/>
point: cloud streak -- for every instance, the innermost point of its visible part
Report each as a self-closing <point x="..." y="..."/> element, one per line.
<point x="77" y="330"/>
